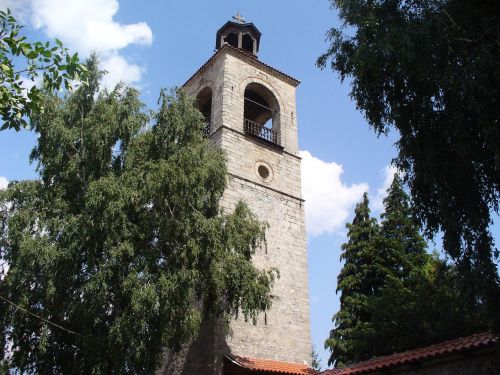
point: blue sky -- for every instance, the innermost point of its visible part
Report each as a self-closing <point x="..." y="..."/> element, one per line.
<point x="156" y="44"/>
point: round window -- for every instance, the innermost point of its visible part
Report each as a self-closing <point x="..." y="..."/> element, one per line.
<point x="264" y="171"/>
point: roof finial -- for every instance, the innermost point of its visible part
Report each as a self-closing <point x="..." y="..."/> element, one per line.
<point x="238" y="17"/>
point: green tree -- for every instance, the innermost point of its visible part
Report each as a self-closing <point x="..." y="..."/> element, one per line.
<point x="429" y="69"/>
<point x="424" y="308"/>
<point x="316" y="361"/>
<point x="359" y="278"/>
<point x="21" y="61"/>
<point x="422" y="301"/>
<point x="400" y="243"/>
<point x="120" y="249"/>
<point x="417" y="298"/>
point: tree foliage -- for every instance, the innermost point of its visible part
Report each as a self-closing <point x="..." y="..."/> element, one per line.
<point x="404" y="297"/>
<point x="425" y="308"/>
<point x="120" y="248"/>
<point x="21" y="61"/>
<point x="429" y="69"/>
<point x="359" y="279"/>
<point x="316" y="361"/>
<point x="400" y="242"/>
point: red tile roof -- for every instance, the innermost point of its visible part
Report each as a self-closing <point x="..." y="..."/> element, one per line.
<point x="270" y="366"/>
<point x="244" y="53"/>
<point x="476" y="341"/>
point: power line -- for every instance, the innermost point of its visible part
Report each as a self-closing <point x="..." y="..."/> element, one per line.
<point x="49" y="322"/>
<point x="259" y="104"/>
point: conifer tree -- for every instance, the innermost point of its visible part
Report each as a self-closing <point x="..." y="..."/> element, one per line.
<point x="412" y="298"/>
<point x="359" y="279"/>
<point x="424" y="308"/>
<point x="400" y="242"/>
<point x="422" y="301"/>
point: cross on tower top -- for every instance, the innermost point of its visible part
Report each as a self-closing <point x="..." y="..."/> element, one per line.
<point x="238" y="17"/>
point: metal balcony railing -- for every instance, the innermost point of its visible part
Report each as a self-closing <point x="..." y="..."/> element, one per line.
<point x="206" y="129"/>
<point x="257" y="130"/>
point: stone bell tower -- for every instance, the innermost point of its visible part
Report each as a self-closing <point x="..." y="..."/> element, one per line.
<point x="250" y="112"/>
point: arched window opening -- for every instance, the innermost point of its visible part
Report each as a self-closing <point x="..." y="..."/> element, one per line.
<point x="204" y="105"/>
<point x="232" y="39"/>
<point x="247" y="43"/>
<point x="261" y="113"/>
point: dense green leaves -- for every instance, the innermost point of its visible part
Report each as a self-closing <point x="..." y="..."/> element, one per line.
<point x="22" y="64"/>
<point x="400" y="239"/>
<point x="121" y="240"/>
<point x="429" y="69"/>
<point x="394" y="295"/>
<point x="359" y="279"/>
<point x="424" y="308"/>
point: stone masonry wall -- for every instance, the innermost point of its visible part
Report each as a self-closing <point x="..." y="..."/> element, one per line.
<point x="278" y="201"/>
<point x="283" y="333"/>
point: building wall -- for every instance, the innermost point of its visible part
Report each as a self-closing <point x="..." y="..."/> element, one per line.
<point x="283" y="333"/>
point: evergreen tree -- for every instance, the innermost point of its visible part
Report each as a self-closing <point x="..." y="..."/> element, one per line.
<point x="414" y="300"/>
<point x="120" y="250"/>
<point x="400" y="243"/>
<point x="422" y="301"/>
<point x="359" y="279"/>
<point x="424" y="308"/>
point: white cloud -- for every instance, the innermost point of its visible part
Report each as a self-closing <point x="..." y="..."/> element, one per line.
<point x="18" y="8"/>
<point x="3" y="183"/>
<point x="388" y="175"/>
<point x="118" y="68"/>
<point x="88" y="25"/>
<point x="329" y="201"/>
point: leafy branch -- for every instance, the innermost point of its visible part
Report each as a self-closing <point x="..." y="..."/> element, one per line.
<point x="53" y="65"/>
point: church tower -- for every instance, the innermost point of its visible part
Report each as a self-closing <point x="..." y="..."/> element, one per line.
<point x="250" y="113"/>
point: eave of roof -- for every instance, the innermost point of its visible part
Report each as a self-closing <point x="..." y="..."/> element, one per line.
<point x="476" y="341"/>
<point x="237" y="24"/>
<point x="229" y="48"/>
<point x="269" y="366"/>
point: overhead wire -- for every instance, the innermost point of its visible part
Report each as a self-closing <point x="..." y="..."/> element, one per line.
<point x="259" y="104"/>
<point x="49" y="322"/>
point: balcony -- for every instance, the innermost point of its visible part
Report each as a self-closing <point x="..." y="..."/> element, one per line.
<point x="259" y="131"/>
<point x="206" y="129"/>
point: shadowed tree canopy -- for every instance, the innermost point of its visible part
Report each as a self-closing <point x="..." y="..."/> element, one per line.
<point x="119" y="249"/>
<point x="429" y="69"/>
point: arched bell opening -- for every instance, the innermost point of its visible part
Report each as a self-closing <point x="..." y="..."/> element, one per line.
<point x="204" y="105"/>
<point x="261" y="113"/>
<point x="247" y="43"/>
<point x="231" y="39"/>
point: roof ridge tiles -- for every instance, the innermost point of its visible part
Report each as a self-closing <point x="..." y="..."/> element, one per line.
<point x="271" y="366"/>
<point x="450" y="346"/>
